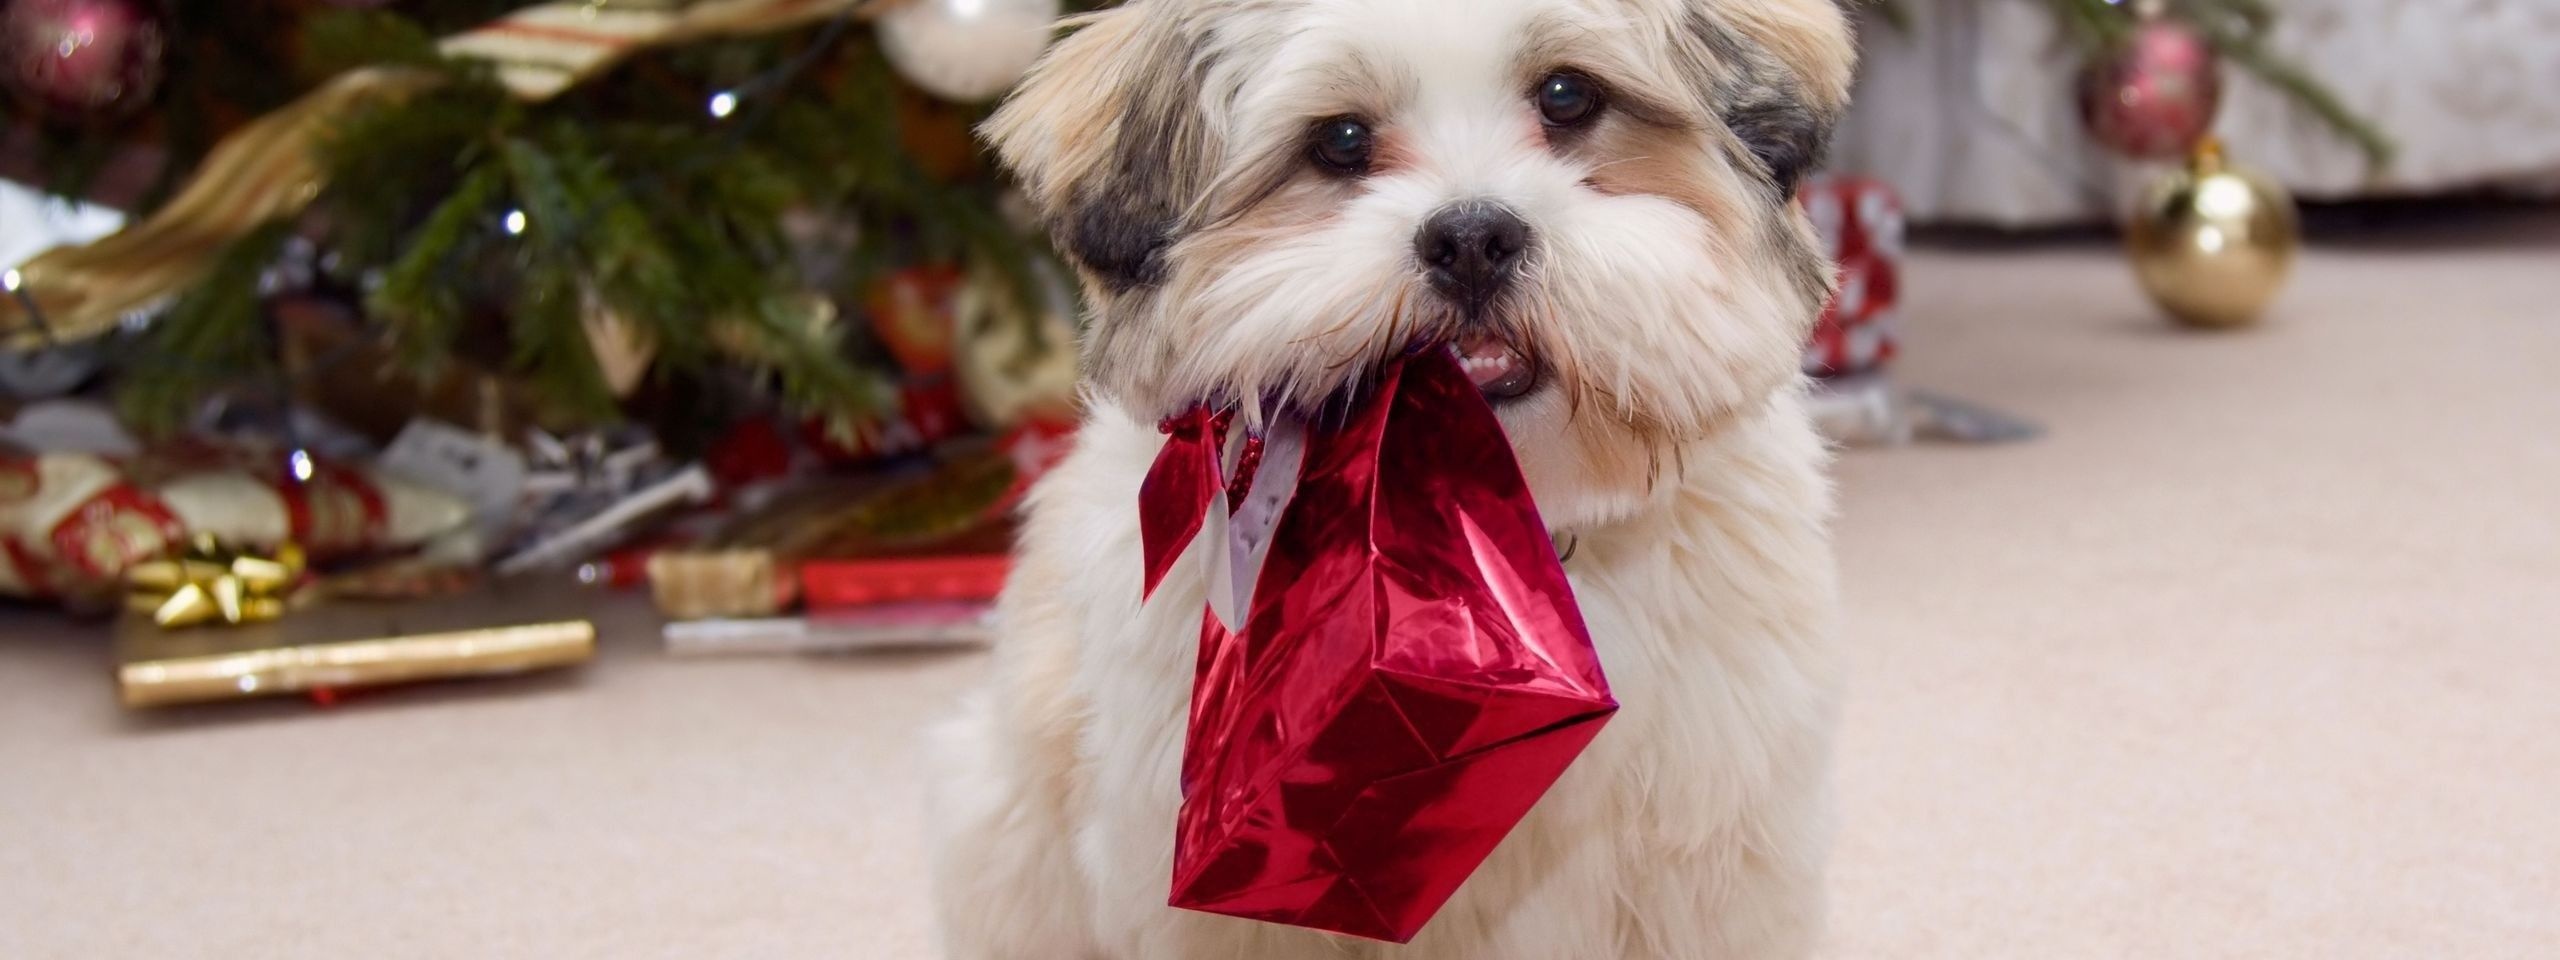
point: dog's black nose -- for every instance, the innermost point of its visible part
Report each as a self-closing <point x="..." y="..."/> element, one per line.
<point x="1471" y="251"/>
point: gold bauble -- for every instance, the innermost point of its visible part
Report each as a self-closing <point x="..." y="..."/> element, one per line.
<point x="2212" y="243"/>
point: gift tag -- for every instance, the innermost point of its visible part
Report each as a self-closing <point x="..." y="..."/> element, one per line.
<point x="1284" y="451"/>
<point x="476" y="467"/>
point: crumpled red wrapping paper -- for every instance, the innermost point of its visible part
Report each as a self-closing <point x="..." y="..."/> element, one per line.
<point x="1410" y="674"/>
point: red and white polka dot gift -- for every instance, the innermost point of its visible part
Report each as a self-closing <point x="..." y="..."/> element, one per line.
<point x="1861" y="225"/>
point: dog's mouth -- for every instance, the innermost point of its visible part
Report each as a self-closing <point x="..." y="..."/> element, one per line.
<point x="1498" y="368"/>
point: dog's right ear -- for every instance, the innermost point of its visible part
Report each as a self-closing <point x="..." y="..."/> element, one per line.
<point x="1107" y="137"/>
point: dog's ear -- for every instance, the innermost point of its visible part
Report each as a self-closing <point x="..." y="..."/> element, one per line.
<point x="1106" y="134"/>
<point x="1778" y="72"/>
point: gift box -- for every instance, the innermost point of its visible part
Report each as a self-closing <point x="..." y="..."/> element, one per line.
<point x="895" y="626"/>
<point x="334" y="646"/>
<point x="839" y="584"/>
<point x="73" y="524"/>
<point x="1860" y="223"/>
<point x="942" y="535"/>
<point x="1392" y="669"/>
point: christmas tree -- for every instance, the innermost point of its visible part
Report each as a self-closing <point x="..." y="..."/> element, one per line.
<point x="569" y="195"/>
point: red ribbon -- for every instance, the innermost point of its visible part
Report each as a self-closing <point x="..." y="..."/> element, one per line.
<point x="1174" y="501"/>
<point x="333" y="533"/>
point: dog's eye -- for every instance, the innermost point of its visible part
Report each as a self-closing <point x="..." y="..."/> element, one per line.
<point x="1568" y="99"/>
<point x="1344" y="145"/>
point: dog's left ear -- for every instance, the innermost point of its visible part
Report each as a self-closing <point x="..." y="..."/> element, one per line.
<point x="1106" y="134"/>
<point x="1779" y="73"/>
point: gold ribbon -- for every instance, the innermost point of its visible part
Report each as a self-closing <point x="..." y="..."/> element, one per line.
<point x="266" y="171"/>
<point x="210" y="583"/>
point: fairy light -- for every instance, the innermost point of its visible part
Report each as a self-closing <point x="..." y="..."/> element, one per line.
<point x="515" y="223"/>
<point x="10" y="281"/>
<point x="723" y="104"/>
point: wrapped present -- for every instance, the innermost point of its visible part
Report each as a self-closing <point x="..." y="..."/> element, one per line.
<point x="1861" y="225"/>
<point x="837" y="584"/>
<point x="335" y="646"/>
<point x="939" y="535"/>
<point x="702" y="584"/>
<point x="924" y="411"/>
<point x="586" y="493"/>
<point x="74" y="524"/>
<point x="897" y="626"/>
<point x="1392" y="668"/>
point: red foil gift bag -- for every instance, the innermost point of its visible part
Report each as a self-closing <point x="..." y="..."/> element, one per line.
<point x="1392" y="668"/>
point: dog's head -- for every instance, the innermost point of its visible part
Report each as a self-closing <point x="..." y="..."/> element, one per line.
<point x="1588" y="199"/>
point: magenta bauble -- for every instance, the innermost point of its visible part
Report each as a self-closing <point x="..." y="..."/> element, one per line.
<point x="2153" y="98"/>
<point x="82" y="61"/>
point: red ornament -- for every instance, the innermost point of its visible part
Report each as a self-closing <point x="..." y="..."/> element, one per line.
<point x="1395" y="686"/>
<point x="82" y="61"/>
<point x="915" y="312"/>
<point x="2155" y="97"/>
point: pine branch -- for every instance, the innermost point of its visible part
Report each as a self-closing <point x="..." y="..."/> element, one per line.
<point x="2237" y="30"/>
<point x="635" y="201"/>
<point x="2244" y="46"/>
<point x="335" y="41"/>
<point x="2096" y="25"/>
<point x="787" y="338"/>
<point x="2253" y="17"/>
<point x="214" y="337"/>
<point x="419" y="297"/>
<point x="547" y="322"/>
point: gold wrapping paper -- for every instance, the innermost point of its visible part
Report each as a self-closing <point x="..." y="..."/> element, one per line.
<point x="701" y="585"/>
<point x="344" y="644"/>
<point x="265" y="171"/>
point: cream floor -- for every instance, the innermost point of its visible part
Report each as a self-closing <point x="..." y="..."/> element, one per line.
<point x="2257" y="655"/>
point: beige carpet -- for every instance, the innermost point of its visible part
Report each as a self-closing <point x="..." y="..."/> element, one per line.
<point x="2258" y="655"/>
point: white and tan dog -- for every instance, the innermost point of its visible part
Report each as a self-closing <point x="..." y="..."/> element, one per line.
<point x="1590" y="201"/>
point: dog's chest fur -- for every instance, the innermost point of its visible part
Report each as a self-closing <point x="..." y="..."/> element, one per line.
<point x="1703" y="798"/>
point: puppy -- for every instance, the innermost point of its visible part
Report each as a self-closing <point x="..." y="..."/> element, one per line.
<point x="1590" y="200"/>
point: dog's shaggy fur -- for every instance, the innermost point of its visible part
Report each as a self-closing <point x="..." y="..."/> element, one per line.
<point x="1665" y="287"/>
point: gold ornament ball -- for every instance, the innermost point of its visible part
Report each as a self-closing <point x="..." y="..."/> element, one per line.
<point x="2212" y="243"/>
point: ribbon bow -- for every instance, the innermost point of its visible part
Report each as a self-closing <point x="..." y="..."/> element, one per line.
<point x="211" y="583"/>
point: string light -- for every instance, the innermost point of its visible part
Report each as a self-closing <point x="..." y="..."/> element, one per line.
<point x="515" y="223"/>
<point x="723" y="104"/>
<point x="9" y="280"/>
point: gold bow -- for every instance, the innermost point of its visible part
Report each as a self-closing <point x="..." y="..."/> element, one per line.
<point x="211" y="583"/>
